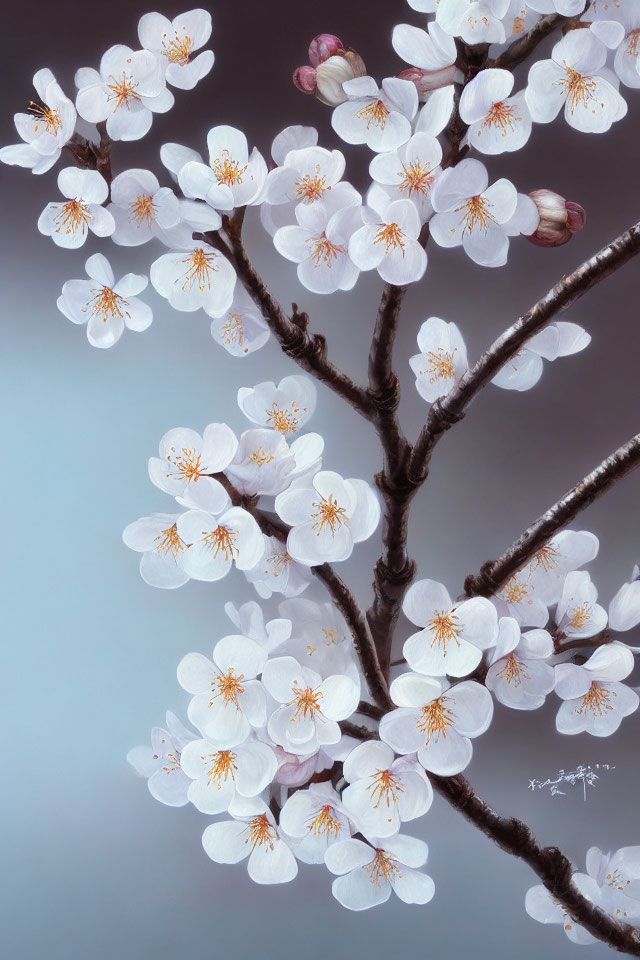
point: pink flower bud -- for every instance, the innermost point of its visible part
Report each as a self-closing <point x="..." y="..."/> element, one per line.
<point x="304" y="78"/>
<point x="332" y="73"/>
<point x="322" y="47"/>
<point x="559" y="218"/>
<point x="426" y="80"/>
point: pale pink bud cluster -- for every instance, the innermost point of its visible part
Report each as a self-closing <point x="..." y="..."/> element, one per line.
<point x="331" y="66"/>
<point x="427" y="80"/>
<point x="559" y="219"/>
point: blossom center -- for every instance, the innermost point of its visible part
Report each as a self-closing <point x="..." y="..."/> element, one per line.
<point x="170" y="542"/>
<point x="417" y="178"/>
<point x="579" y="89"/>
<point x="261" y="832"/>
<point x="306" y="703"/>
<point x="261" y="457"/>
<point x="392" y="236"/>
<point x="279" y="561"/>
<point x="324" y="824"/>
<point x="177" y="50"/>
<point x="229" y="687"/>
<point x="383" y="867"/>
<point x="475" y="214"/>
<point x="283" y="418"/>
<point x="311" y="187"/>
<point x="187" y="463"/>
<point x="107" y="304"/>
<point x="200" y="266"/>
<point x="123" y="92"/>
<point x="233" y="329"/>
<point x="329" y="637"/>
<point x="445" y="628"/>
<point x="435" y="718"/>
<point x="222" y="767"/>
<point x="44" y="114"/>
<point x="228" y="171"/>
<point x="513" y="670"/>
<point x="515" y="592"/>
<point x="374" y="113"/>
<point x="173" y="763"/>
<point x="142" y="208"/>
<point x="546" y="558"/>
<point x="580" y="616"/>
<point x="632" y="44"/>
<point x="616" y="880"/>
<point x="222" y="540"/>
<point x="73" y="215"/>
<point x="440" y="365"/>
<point x="597" y="699"/>
<point x="501" y="116"/>
<point x="384" y="787"/>
<point x="329" y="513"/>
<point x="324" y="251"/>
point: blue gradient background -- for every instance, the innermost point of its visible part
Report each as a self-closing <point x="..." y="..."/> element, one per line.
<point x="93" y="867"/>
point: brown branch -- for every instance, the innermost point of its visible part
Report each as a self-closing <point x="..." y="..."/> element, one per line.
<point x="520" y="49"/>
<point x="494" y="574"/>
<point x="559" y="644"/>
<point x="93" y="156"/>
<point x="369" y="710"/>
<point x="552" y="867"/>
<point x="308" y="350"/>
<point x="448" y="410"/>
<point x="357" y="731"/>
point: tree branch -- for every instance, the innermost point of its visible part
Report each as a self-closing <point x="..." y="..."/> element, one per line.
<point x="520" y="49"/>
<point x="494" y="574"/>
<point x="448" y="410"/>
<point x="552" y="867"/>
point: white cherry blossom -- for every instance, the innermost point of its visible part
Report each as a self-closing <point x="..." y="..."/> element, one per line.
<point x="141" y="208"/>
<point x="618" y="877"/>
<point x="388" y="242"/>
<point x="227" y="699"/>
<point x="320" y="637"/>
<point x="436" y="721"/>
<point x="175" y="41"/>
<point x="574" y="79"/>
<point x="543" y="907"/>
<point x="305" y="176"/>
<point x="195" y="277"/>
<point x="452" y="635"/>
<point x="430" y="49"/>
<point x="263" y="463"/>
<point x="217" y="777"/>
<point x="285" y="407"/>
<point x="518" y="675"/>
<point x="519" y="599"/>
<point x="314" y="819"/>
<point x="595" y="700"/>
<point x="624" y="609"/>
<point x="68" y="223"/>
<point x="309" y="707"/>
<point x="174" y="156"/>
<point x="186" y="458"/>
<point x="295" y="137"/>
<point x="160" y="763"/>
<point x="476" y="21"/>
<point x="566" y="551"/>
<point x="384" y="791"/>
<point x="241" y="329"/>
<point x="368" y="872"/>
<point x="379" y="117"/>
<point x="442" y="359"/>
<point x="577" y="614"/>
<point x="233" y="178"/>
<point x="559" y="339"/>
<point x="568" y="8"/>
<point x="498" y="122"/>
<point x="249" y="619"/>
<point x="253" y="834"/>
<point x="410" y="171"/>
<point x="127" y="90"/>
<point x="327" y="517"/>
<point x="44" y="128"/>
<point x="105" y="306"/>
<point x="156" y="537"/>
<point x="278" y="572"/>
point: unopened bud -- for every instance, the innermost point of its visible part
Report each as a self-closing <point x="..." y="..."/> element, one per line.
<point x="559" y="219"/>
<point x="322" y="47"/>
<point x="332" y="73"/>
<point x="304" y="78"/>
<point x="427" y="80"/>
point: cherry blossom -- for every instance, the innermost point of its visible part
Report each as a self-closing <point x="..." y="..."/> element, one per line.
<point x="309" y="706"/>
<point x="305" y="176"/>
<point x="186" y="458"/>
<point x="519" y="599"/>
<point x="577" y="614"/>
<point x="278" y="572"/>
<point x="543" y="907"/>
<point x="68" y="223"/>
<point x="175" y="42"/>
<point x="595" y="700"/>
<point x="263" y="463"/>
<point x="157" y="538"/>
<point x="452" y="636"/>
<point x="517" y="674"/>
<point x="227" y="700"/>
<point x="241" y="329"/>
<point x="253" y="834"/>
<point x="379" y="117"/>
<point x="195" y="277"/>
<point x="314" y="819"/>
<point x="285" y="408"/>
<point x="475" y="21"/>
<point x="44" y="128"/>
<point x="249" y="620"/>
<point x="219" y="777"/>
<point x="559" y="339"/>
<point x="141" y="208"/>
<point x="410" y="171"/>
<point x="327" y="517"/>
<point x="127" y="90"/>
<point x="388" y="241"/>
<point x="321" y="638"/>
<point x="573" y="78"/>
<point x="232" y="178"/>
<point x="368" y="872"/>
<point x="566" y="551"/>
<point x="160" y="763"/>
<point x="442" y="359"/>
<point x="618" y="878"/>
<point x="105" y="306"/>
<point x="436" y="721"/>
<point x="384" y="791"/>
<point x="498" y="122"/>
<point x="624" y="609"/>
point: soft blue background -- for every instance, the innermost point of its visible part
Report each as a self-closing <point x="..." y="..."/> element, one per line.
<point x="93" y="867"/>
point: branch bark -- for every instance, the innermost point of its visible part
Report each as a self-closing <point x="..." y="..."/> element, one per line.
<point x="520" y="49"/>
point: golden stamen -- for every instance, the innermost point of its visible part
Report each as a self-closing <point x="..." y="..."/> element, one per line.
<point x="384" y="787"/>
<point x="435" y="719"/>
<point x="475" y="214"/>
<point x="329" y="512"/>
<point x="374" y="113"/>
<point x="324" y="251"/>
<point x="228" y="171"/>
<point x="187" y="463"/>
<point x="306" y="701"/>
<point x="73" y="216"/>
<point x="229" y="687"/>
<point x="392" y="236"/>
<point x="221" y="539"/>
<point x="50" y="118"/>
<point x="222" y="766"/>
<point x="579" y="89"/>
<point x="200" y="267"/>
<point x="124" y="92"/>
<point x="513" y="670"/>
<point x="383" y="867"/>
<point x="596" y="699"/>
<point x="324" y="823"/>
<point x="417" y="178"/>
<point x="261" y="832"/>
<point x="441" y="365"/>
<point x="445" y="628"/>
<point x="170" y="543"/>
<point x="142" y="208"/>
